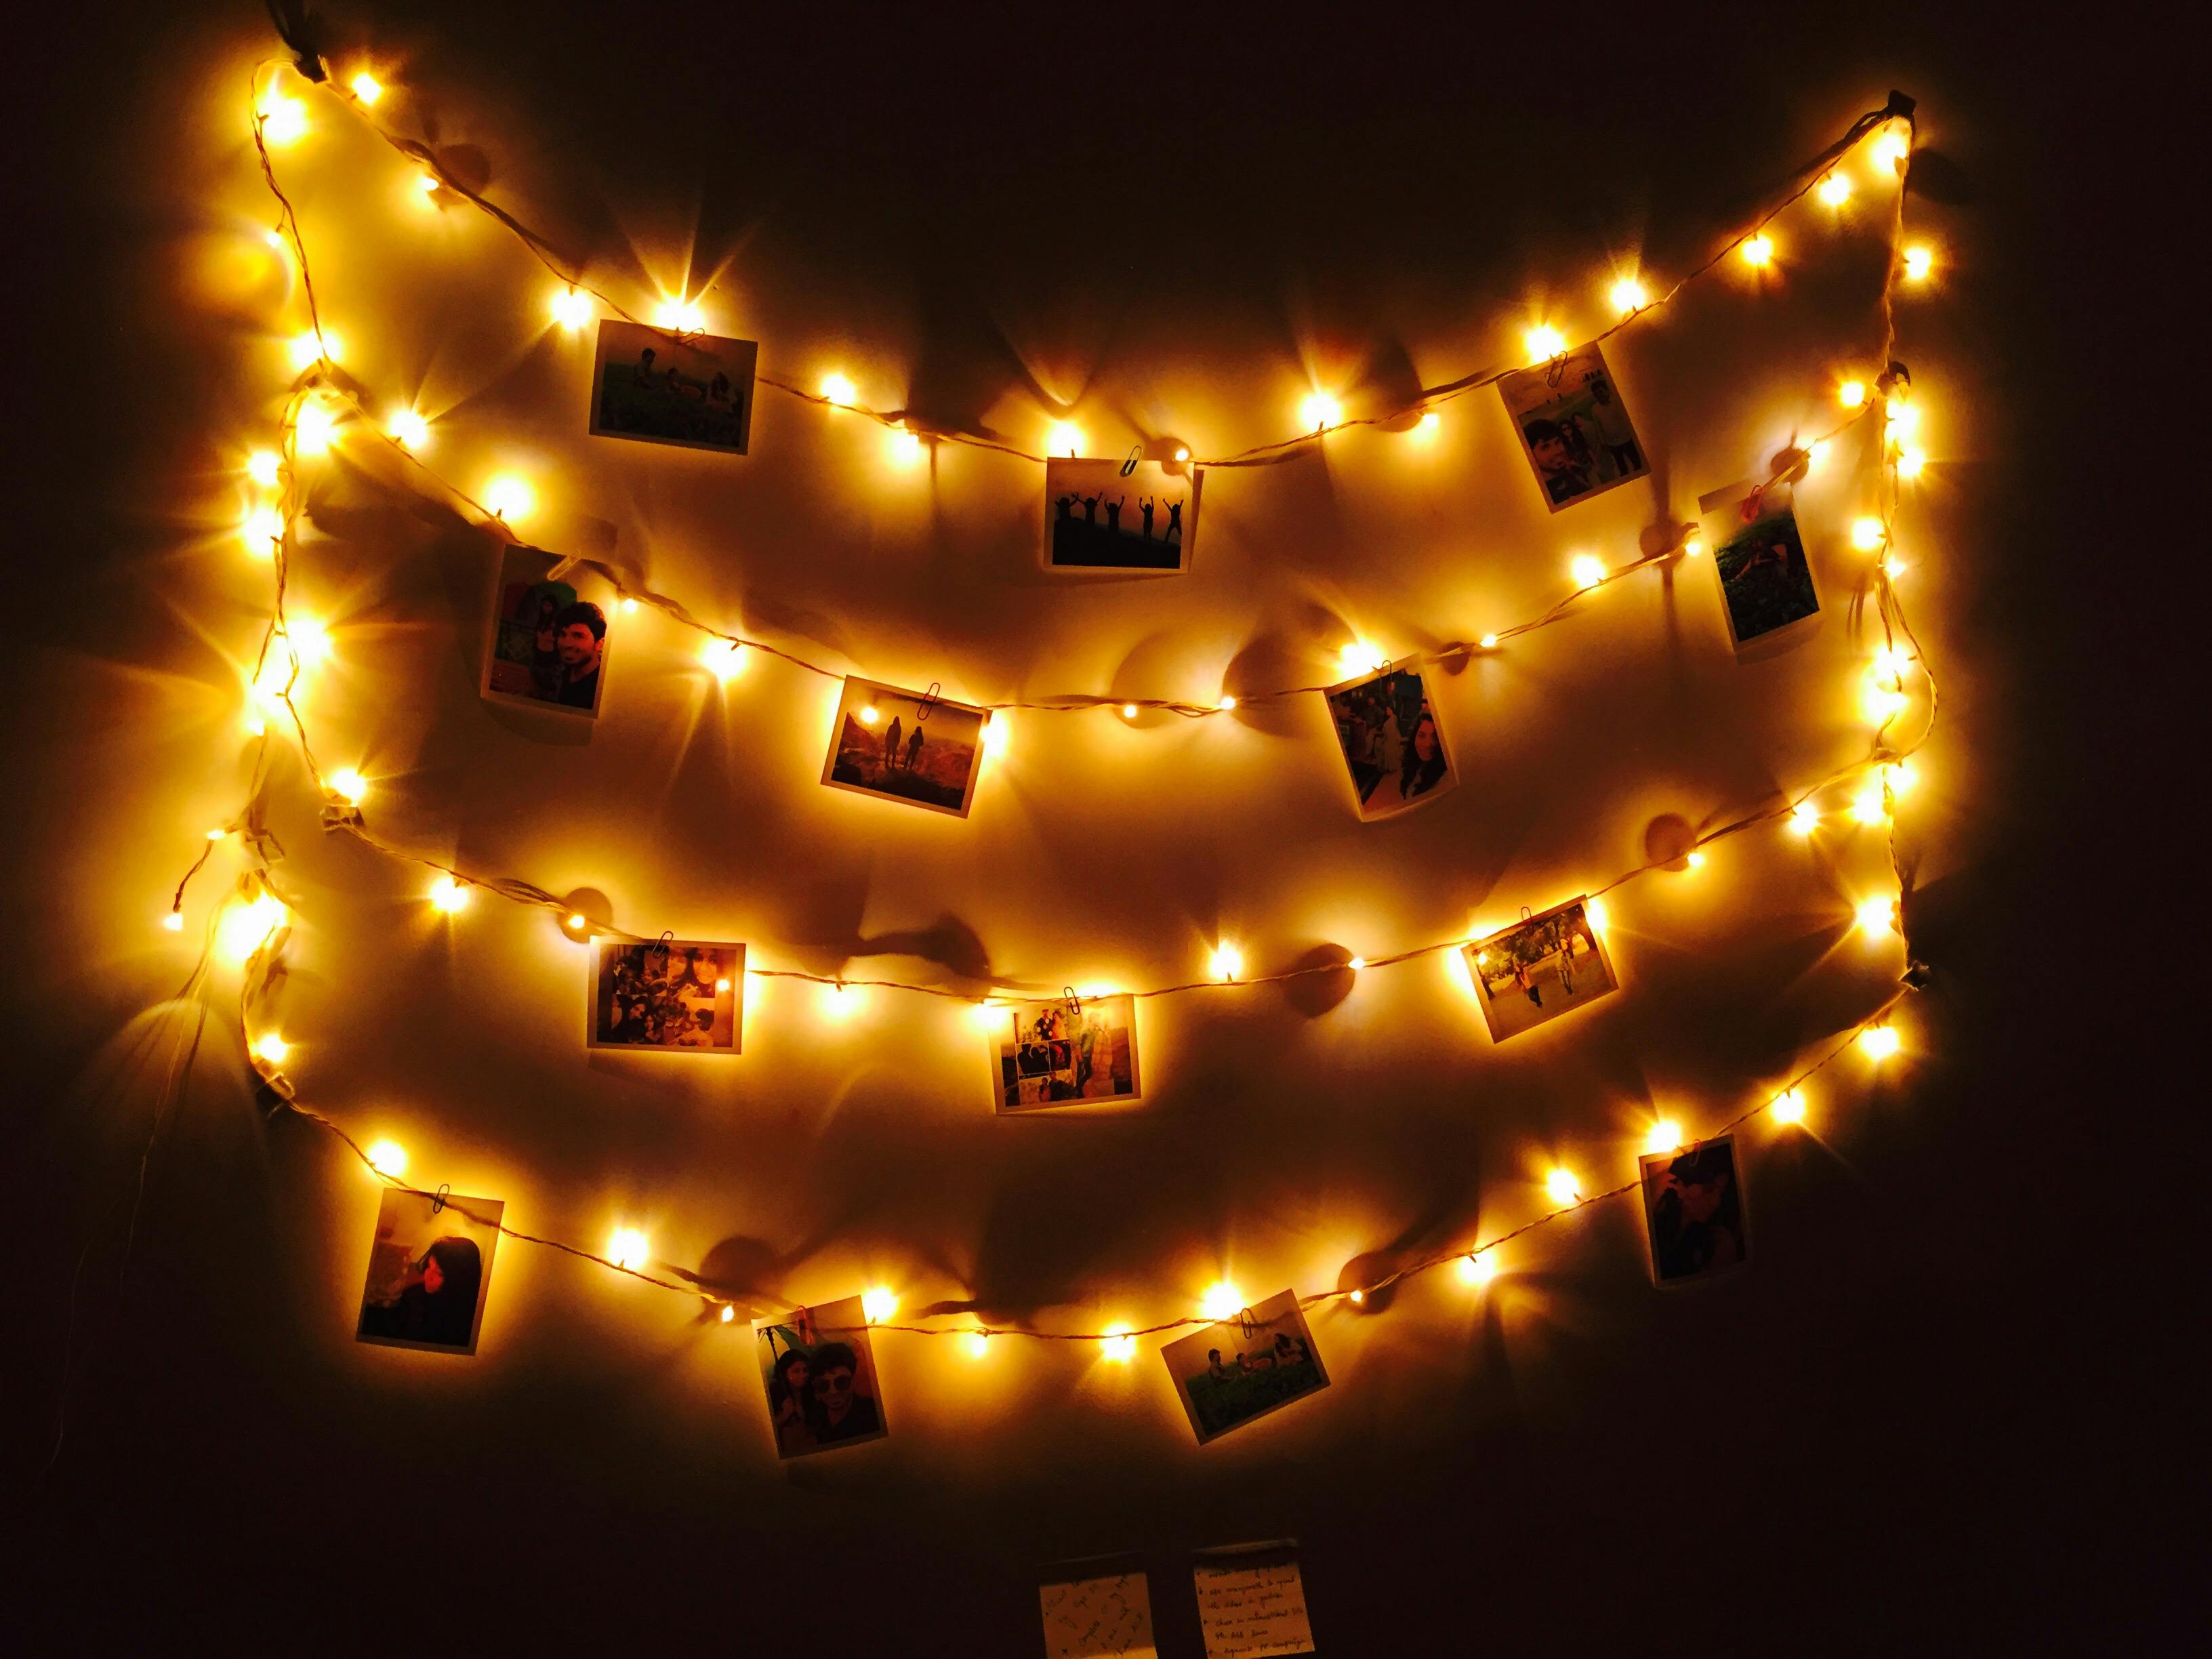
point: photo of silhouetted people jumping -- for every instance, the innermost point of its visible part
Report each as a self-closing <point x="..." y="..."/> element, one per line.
<point x="1102" y="520"/>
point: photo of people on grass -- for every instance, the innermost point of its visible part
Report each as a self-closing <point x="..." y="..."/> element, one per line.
<point x="1228" y="1373"/>
<point x="685" y="996"/>
<point x="1390" y="740"/>
<point x="1765" y="580"/>
<point x="1574" y="427"/>
<point x="1120" y="516"/>
<point x="820" y="1374"/>
<point x="429" y="1271"/>
<point x="695" y="390"/>
<point x="549" y="645"/>
<point x="905" y="745"/>
<point x="1537" y="970"/>
<point x="1064" y="1050"/>
<point x="1694" y="1210"/>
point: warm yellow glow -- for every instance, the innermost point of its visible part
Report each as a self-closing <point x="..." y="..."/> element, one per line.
<point x="1358" y="658"/>
<point x="1867" y="533"/>
<point x="1789" y="1107"/>
<point x="725" y="659"/>
<point x="1628" y="294"/>
<point x="880" y="1303"/>
<point x="348" y="786"/>
<point x="1876" y="916"/>
<point x="1594" y="911"/>
<point x="1868" y="809"/>
<point x="1835" y="190"/>
<point x="1888" y="661"/>
<point x="629" y="607"/>
<point x="1226" y="703"/>
<point x="575" y="921"/>
<point x="366" y="88"/>
<point x="1488" y="641"/>
<point x="311" y="640"/>
<point x="1696" y="860"/>
<point x="1222" y="1300"/>
<point x="510" y="499"/>
<point x="261" y="466"/>
<point x="1562" y="1186"/>
<point x="977" y="1343"/>
<point x="728" y="1312"/>
<point x="628" y="1248"/>
<point x="1900" y="777"/>
<point x="1544" y="342"/>
<point x="245" y="928"/>
<point x="262" y="529"/>
<point x="1319" y="411"/>
<point x="1182" y="454"/>
<point x="1815" y="452"/>
<point x="571" y="307"/>
<point x="842" y="1001"/>
<point x="1879" y="1041"/>
<point x="998" y="732"/>
<point x="1357" y="1296"/>
<point x="388" y="1158"/>
<point x="427" y="183"/>
<point x="1880" y="702"/>
<point x="1892" y="567"/>
<point x="312" y="430"/>
<point x="1129" y="711"/>
<point x="1117" y="1344"/>
<point x="450" y="896"/>
<point x="839" y="391"/>
<point x="870" y="714"/>
<point x="1478" y="1269"/>
<point x="1227" y="962"/>
<point x="1851" y="393"/>
<point x="283" y="120"/>
<point x="1920" y="260"/>
<point x="1894" y="145"/>
<point x="682" y="316"/>
<point x="309" y="349"/>
<point x="1903" y="418"/>
<point x="409" y="429"/>
<point x="1428" y="425"/>
<point x="174" y="921"/>
<point x="721" y="985"/>
<point x="1693" y="547"/>
<point x="1587" y="569"/>
<point x="1910" y="462"/>
<point x="986" y="1014"/>
<point x="1757" y="250"/>
<point x="1063" y="439"/>
<point x="1802" y="818"/>
<point x="1356" y="963"/>
<point x="905" y="446"/>
<point x="1666" y="1135"/>
<point x="271" y="1047"/>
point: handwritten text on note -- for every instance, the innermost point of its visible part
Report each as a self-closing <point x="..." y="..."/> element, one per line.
<point x="1253" y="1612"/>
<point x="1100" y="1619"/>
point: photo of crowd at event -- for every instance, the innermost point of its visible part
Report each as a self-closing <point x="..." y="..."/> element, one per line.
<point x="1052" y="1053"/>
<point x="668" y="994"/>
<point x="1391" y="741"/>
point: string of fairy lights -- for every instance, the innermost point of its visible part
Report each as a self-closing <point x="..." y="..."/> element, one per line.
<point x="253" y="928"/>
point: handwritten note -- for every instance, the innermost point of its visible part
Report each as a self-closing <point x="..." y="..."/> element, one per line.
<point x="1095" y="1618"/>
<point x="1251" y="1611"/>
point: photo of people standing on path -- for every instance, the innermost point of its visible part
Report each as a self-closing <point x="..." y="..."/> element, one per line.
<point x="820" y="1374"/>
<point x="429" y="1271"/>
<point x="1391" y="741"/>
<point x="692" y="390"/>
<point x="1694" y="1210"/>
<point x="1574" y="427"/>
<point x="1228" y="1373"/>
<point x="1063" y="1051"/>
<point x="905" y="745"/>
<point x="1537" y="970"/>
<point x="1119" y="515"/>
<point x="685" y="996"/>
<point x="1766" y="583"/>
<point x="549" y="644"/>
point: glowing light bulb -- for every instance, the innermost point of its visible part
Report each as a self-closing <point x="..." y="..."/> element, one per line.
<point x="1920" y="260"/>
<point x="1802" y="818"/>
<point x="998" y="732"/>
<point x="1666" y="1135"/>
<point x="725" y="659"/>
<point x="348" y="786"/>
<point x="879" y="1304"/>
<point x="312" y="429"/>
<point x="1562" y="1186"/>
<point x="366" y="88"/>
<point x="1758" y="251"/>
<point x="870" y="714"/>
<point x="1358" y="658"/>
<point x="1910" y="462"/>
<point x="1222" y="1300"/>
<point x="1319" y="411"/>
<point x="1851" y="393"/>
<point x="1876" y="916"/>
<point x="283" y="120"/>
<point x="1900" y="777"/>
<point x="1063" y="439"/>
<point x="1815" y="452"/>
<point x="1882" y="703"/>
<point x="1879" y="1041"/>
<point x="1835" y="190"/>
<point x="1596" y="914"/>
<point x="844" y="1001"/>
<point x="977" y="1343"/>
<point x="1428" y="425"/>
<point x="1893" y="146"/>
<point x="1889" y="662"/>
<point x="1628" y="294"/>
<point x="245" y="928"/>
<point x="1788" y="1107"/>
<point x="1696" y="860"/>
<point x="1356" y="963"/>
<point x="174" y="921"/>
<point x="728" y="1312"/>
<point x="427" y="183"/>
<point x="1226" y="703"/>
<point x="1544" y="342"/>
<point x="1477" y="1269"/>
<point x="629" y="607"/>
<point x="1117" y="1344"/>
<point x="905" y="446"/>
<point x="838" y="390"/>
<point x="1693" y="547"/>
<point x="1227" y="962"/>
<point x="575" y="921"/>
<point x="1356" y="1297"/>
<point x="1867" y="808"/>
<point x="271" y="1047"/>
<point x="262" y="467"/>
<point x="1867" y="533"/>
<point x="388" y="1158"/>
<point x="510" y="499"/>
<point x="628" y="1248"/>
<point x="309" y="349"/>
<point x="409" y="429"/>
<point x="1586" y="569"/>
<point x="1903" y="417"/>
<point x="721" y="985"/>
<point x="1892" y="567"/>
<point x="1129" y="711"/>
<point x="571" y="307"/>
<point x="1489" y="641"/>
<point x="680" y="316"/>
<point x="1182" y="454"/>
<point x="262" y="529"/>
<point x="311" y="640"/>
<point x="449" y="896"/>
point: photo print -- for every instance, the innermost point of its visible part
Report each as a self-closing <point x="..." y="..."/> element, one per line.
<point x="692" y="390"/>
<point x="820" y="1374"/>
<point x="1228" y="1373"/>
<point x="905" y="745"/>
<point x="1252" y="1602"/>
<point x="684" y="996"/>
<point x="1539" y="969"/>
<point x="1120" y="516"/>
<point x="1064" y="1051"/>
<point x="1096" y="1610"/>
<point x="429" y="1270"/>
<point x="1574" y="427"/>
<point x="1694" y="1210"/>
<point x="1766" y="587"/>
<point x="549" y="636"/>
<point x="1391" y="741"/>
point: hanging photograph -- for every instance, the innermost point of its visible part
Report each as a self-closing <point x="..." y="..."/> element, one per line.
<point x="1574" y="427"/>
<point x="429" y="1270"/>
<point x="1093" y="1611"/>
<point x="1766" y="587"/>
<point x="1694" y="1210"/>
<point x="684" y="996"/>
<point x="694" y="390"/>
<point x="1064" y="1051"/>
<point x="1228" y="1373"/>
<point x="1391" y="742"/>
<point x="1119" y="515"/>
<point x="1539" y="969"/>
<point x="549" y="640"/>
<point x="820" y="1374"/>
<point x="905" y="745"/>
